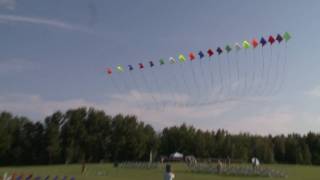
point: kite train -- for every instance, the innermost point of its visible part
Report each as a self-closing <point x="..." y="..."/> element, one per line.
<point x="251" y="68"/>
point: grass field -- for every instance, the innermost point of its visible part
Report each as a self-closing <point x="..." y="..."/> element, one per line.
<point x="106" y="171"/>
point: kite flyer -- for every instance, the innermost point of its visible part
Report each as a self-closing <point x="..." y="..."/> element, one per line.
<point x="168" y="175"/>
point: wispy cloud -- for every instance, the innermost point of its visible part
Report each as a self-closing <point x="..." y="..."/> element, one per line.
<point x="315" y="92"/>
<point x="276" y="122"/>
<point x="8" y="4"/>
<point x="42" y="21"/>
<point x="230" y="115"/>
<point x="37" y="107"/>
<point x="16" y="65"/>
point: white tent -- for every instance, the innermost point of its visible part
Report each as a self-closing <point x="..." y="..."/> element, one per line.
<point x="255" y="161"/>
<point x="176" y="155"/>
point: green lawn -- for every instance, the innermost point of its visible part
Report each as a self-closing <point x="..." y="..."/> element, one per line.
<point x="182" y="173"/>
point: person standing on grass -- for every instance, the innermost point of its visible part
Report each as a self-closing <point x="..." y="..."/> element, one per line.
<point x="83" y="167"/>
<point x="219" y="167"/>
<point x="5" y="176"/>
<point x="168" y="175"/>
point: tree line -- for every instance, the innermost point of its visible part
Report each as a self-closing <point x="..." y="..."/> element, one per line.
<point x="87" y="134"/>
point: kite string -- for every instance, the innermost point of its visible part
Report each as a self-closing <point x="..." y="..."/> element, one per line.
<point x="221" y="78"/>
<point x="232" y="74"/>
<point x="140" y="104"/>
<point x="228" y="68"/>
<point x="127" y="87"/>
<point x="157" y="87"/>
<point x="244" y="89"/>
<point x="195" y="81"/>
<point x="150" y="91"/>
<point x="237" y="81"/>
<point x="207" y="82"/>
<point x="174" y="99"/>
<point x="261" y="84"/>
<point x="208" y="87"/>
<point x="277" y="76"/>
<point x="184" y="81"/>
<point x="211" y="85"/>
<point x="238" y="71"/>
<point x="255" y="77"/>
<point x="115" y="84"/>
<point x="212" y="76"/>
<point x="204" y="82"/>
<point x="253" y="73"/>
<point x="119" y="90"/>
<point x="284" y="69"/>
<point x="175" y="87"/>
<point x="269" y="88"/>
<point x="268" y="71"/>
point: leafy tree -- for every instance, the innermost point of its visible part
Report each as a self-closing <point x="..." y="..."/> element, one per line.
<point x="86" y="134"/>
<point x="279" y="148"/>
<point x="52" y="137"/>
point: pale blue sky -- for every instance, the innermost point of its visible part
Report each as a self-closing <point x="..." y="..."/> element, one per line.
<point x="53" y="55"/>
